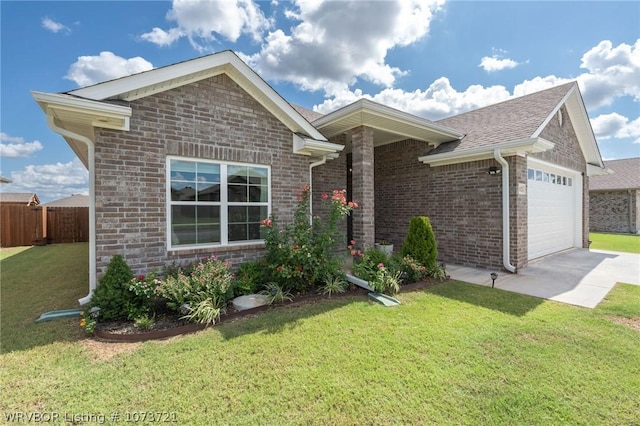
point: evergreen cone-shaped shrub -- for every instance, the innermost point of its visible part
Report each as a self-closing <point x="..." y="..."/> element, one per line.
<point x="112" y="296"/>
<point x="420" y="243"/>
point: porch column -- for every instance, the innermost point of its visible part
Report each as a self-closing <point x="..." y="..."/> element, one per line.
<point x="363" y="186"/>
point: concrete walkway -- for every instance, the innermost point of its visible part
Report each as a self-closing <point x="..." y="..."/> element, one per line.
<point x="579" y="277"/>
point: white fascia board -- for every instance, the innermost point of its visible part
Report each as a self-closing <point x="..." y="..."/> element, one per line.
<point x="365" y="106"/>
<point x="71" y="103"/>
<point x="523" y="146"/>
<point x="307" y="146"/>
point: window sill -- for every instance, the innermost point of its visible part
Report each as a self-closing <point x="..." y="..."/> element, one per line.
<point x="216" y="249"/>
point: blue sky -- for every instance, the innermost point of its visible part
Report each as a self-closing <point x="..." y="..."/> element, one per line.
<point x="430" y="58"/>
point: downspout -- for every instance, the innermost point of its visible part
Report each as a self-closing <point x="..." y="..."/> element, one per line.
<point x="92" y="201"/>
<point x="311" y="166"/>
<point x="506" y="240"/>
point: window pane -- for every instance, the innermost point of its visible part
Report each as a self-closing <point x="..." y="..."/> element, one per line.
<point x="183" y="191"/>
<point x="208" y="172"/>
<point x="256" y="214"/>
<point x="546" y="177"/>
<point x="258" y="194"/>
<point x="237" y="193"/>
<point x="238" y="232"/>
<point x="258" y="175"/>
<point x="553" y="178"/>
<point x="237" y="214"/>
<point x="530" y="174"/>
<point x="255" y="231"/>
<point x="183" y="170"/>
<point x="237" y="174"/>
<point x="208" y="191"/>
<point x="183" y="227"/>
<point x="564" y="180"/>
<point x="569" y="182"/>
<point x="208" y="234"/>
<point x="539" y="175"/>
<point x="208" y="215"/>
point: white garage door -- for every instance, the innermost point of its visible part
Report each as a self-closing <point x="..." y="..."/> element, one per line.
<point x="554" y="208"/>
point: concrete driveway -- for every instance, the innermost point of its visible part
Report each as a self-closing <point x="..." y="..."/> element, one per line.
<point x="579" y="277"/>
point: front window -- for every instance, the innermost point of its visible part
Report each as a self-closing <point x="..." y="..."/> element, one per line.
<point x="215" y="203"/>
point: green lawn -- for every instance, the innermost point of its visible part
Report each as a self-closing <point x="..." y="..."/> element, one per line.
<point x="454" y="354"/>
<point x="628" y="243"/>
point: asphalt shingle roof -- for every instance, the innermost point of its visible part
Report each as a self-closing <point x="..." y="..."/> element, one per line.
<point x="626" y="175"/>
<point x="77" y="200"/>
<point x="506" y="121"/>
<point x="308" y="114"/>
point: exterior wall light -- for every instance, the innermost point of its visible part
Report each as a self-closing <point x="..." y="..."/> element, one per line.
<point x="493" y="279"/>
<point x="493" y="170"/>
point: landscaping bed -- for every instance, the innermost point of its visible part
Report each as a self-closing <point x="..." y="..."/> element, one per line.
<point x="173" y="325"/>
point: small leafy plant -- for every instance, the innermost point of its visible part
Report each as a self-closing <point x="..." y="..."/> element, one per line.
<point x="276" y="294"/>
<point x="249" y="278"/>
<point x="144" y="322"/>
<point x="334" y="284"/>
<point x="202" y="295"/>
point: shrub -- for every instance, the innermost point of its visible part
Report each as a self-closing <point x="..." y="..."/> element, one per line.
<point x="112" y="296"/>
<point x="207" y="289"/>
<point x="420" y="243"/>
<point x="276" y="294"/>
<point x="386" y="281"/>
<point x="301" y="254"/>
<point x="250" y="277"/>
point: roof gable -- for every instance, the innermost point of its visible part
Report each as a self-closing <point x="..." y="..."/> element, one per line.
<point x="626" y="175"/>
<point x="518" y="121"/>
<point x="146" y="83"/>
<point x="26" y="198"/>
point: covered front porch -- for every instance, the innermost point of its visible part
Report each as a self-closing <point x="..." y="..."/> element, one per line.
<point x="362" y="128"/>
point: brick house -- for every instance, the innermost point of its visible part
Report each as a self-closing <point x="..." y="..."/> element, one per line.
<point x="185" y="160"/>
<point x="614" y="199"/>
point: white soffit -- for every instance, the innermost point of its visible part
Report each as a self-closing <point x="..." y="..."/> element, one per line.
<point x="389" y="124"/>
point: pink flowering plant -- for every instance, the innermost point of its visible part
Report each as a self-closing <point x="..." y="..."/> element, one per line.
<point x="145" y="287"/>
<point x="302" y="254"/>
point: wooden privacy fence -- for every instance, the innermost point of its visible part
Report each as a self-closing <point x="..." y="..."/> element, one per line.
<point x="26" y="226"/>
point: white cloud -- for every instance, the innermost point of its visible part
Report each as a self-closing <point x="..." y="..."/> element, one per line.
<point x="89" y="70"/>
<point x="613" y="72"/>
<point x="494" y="63"/>
<point x="15" y="146"/>
<point x="53" y="26"/>
<point x="616" y="126"/>
<point x="201" y="20"/>
<point x="439" y="100"/>
<point x="330" y="47"/>
<point x="51" y="181"/>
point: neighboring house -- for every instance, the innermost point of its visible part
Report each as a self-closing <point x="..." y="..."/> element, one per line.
<point x="19" y="199"/>
<point x="614" y="199"/>
<point x="186" y="160"/>
<point x="77" y="200"/>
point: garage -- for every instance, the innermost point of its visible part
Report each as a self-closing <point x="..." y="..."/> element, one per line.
<point x="554" y="208"/>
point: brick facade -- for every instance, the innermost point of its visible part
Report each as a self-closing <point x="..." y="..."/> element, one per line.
<point x="615" y="211"/>
<point x="211" y="119"/>
<point x="363" y="186"/>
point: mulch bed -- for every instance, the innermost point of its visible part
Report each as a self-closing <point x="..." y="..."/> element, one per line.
<point x="170" y="326"/>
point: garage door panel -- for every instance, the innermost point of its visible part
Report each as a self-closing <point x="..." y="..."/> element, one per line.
<point x="551" y="210"/>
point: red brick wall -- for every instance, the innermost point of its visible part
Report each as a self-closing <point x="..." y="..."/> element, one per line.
<point x="462" y="200"/>
<point x="211" y="119"/>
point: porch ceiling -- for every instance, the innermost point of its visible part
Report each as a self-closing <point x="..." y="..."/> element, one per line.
<point x="390" y="125"/>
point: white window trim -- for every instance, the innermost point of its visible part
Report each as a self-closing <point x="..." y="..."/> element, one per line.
<point x="223" y="203"/>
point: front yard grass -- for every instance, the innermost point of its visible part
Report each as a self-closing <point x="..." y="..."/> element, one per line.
<point x="627" y="243"/>
<point x="453" y="354"/>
